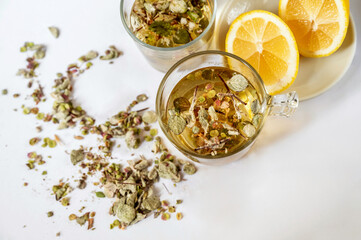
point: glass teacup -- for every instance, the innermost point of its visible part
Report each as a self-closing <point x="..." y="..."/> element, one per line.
<point x="163" y="58"/>
<point x="278" y="105"/>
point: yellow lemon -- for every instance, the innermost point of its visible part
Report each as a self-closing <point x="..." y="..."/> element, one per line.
<point x="267" y="43"/>
<point x="319" y="26"/>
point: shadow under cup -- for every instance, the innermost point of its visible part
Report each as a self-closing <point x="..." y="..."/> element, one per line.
<point x="201" y="60"/>
<point x="164" y="58"/>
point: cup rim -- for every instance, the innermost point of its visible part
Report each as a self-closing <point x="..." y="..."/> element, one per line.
<point x="122" y="17"/>
<point x="158" y="104"/>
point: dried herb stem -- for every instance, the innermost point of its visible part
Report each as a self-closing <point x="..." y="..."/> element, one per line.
<point x="213" y="145"/>
<point x="233" y="96"/>
<point x="224" y="82"/>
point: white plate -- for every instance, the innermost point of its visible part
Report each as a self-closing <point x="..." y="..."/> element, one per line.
<point x="316" y="75"/>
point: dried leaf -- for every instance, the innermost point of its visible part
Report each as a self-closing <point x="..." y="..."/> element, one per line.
<point x="149" y="117"/>
<point x="177" y="124"/>
<point x="151" y="203"/>
<point x="125" y="213"/>
<point x="249" y="130"/>
<point x="237" y="83"/>
<point x="189" y="168"/>
<point x="77" y="156"/>
<point x="255" y="106"/>
<point x="54" y="31"/>
<point x="181" y="104"/>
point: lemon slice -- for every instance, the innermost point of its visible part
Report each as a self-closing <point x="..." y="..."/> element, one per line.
<point x="319" y="26"/>
<point x="266" y="42"/>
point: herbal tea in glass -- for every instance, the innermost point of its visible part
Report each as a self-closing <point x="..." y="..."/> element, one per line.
<point x="165" y="23"/>
<point x="214" y="111"/>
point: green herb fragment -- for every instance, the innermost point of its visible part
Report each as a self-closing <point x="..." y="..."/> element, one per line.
<point x="203" y="23"/>
<point x="83" y="219"/>
<point x="4" y="92"/>
<point x="44" y="173"/>
<point x="193" y="15"/>
<point x="88" y="65"/>
<point x="65" y="201"/>
<point x="125" y="213"/>
<point x="89" y="56"/>
<point x="151" y="203"/>
<point x="249" y="130"/>
<point x="77" y="156"/>
<point x="181" y="37"/>
<point x="52" y="143"/>
<point x="211" y="94"/>
<point x="54" y="31"/>
<point x="169" y="170"/>
<point x="158" y="146"/>
<point x="178" y="6"/>
<point x="40" y="116"/>
<point x="257" y="120"/>
<point x="111" y="53"/>
<point x="61" y="190"/>
<point x="177" y="124"/>
<point x="72" y="217"/>
<point x="189" y="168"/>
<point x="34" y="141"/>
<point x="50" y="214"/>
<point x="149" y="117"/>
<point x="201" y="99"/>
<point x="195" y="130"/>
<point x="165" y="203"/>
<point x="153" y="132"/>
<point x="39" y="54"/>
<point x="203" y="119"/>
<point x="162" y="28"/>
<point x="255" y="106"/>
<point x="116" y="223"/>
<point x="214" y="133"/>
<point x="142" y="98"/>
<point x="165" y="216"/>
<point x="179" y="216"/>
<point x="207" y="74"/>
<point x="179" y="201"/>
<point x="171" y="209"/>
<point x="181" y="104"/>
<point x="237" y="83"/>
<point x="132" y="140"/>
<point x="148" y="138"/>
<point x="23" y="49"/>
<point x="100" y="194"/>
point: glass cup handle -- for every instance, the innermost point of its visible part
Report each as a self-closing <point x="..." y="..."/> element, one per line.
<point x="284" y="104"/>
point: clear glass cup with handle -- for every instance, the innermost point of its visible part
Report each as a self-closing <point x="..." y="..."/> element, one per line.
<point x="278" y="105"/>
<point x="163" y="58"/>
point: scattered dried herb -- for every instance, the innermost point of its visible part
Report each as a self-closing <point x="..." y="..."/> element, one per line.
<point x="34" y="141"/>
<point x="165" y="216"/>
<point x="54" y="31"/>
<point x="77" y="156"/>
<point x="189" y="168"/>
<point x="100" y="194"/>
<point x="111" y="53"/>
<point x="61" y="190"/>
<point x="179" y="216"/>
<point x="149" y="117"/>
<point x="131" y="185"/>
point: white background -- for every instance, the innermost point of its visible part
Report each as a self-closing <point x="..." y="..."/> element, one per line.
<point x="301" y="180"/>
